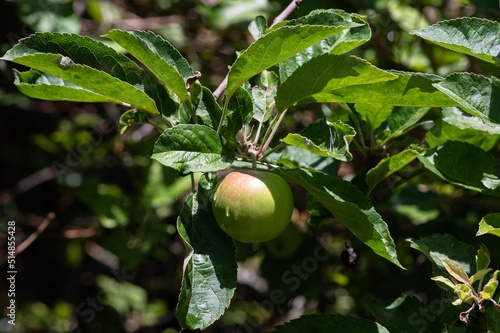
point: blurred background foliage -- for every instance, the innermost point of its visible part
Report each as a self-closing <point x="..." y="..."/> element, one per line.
<point x="111" y="259"/>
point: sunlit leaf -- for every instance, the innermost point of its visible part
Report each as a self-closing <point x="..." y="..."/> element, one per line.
<point x="490" y="224"/>
<point x="324" y="139"/>
<point x="192" y="148"/>
<point x="469" y="35"/>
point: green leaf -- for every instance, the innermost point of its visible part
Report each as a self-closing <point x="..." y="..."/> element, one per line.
<point x="493" y="320"/>
<point x="374" y="114"/>
<point x="401" y="120"/>
<point x="490" y="287"/>
<point x="159" y="56"/>
<point x="239" y="113"/>
<point x="479" y="275"/>
<point x="463" y="120"/>
<point x="49" y="15"/>
<point x="464" y="293"/>
<point x="405" y="314"/>
<point x="208" y="110"/>
<point x="107" y="201"/>
<point x="490" y="224"/>
<point x="324" y="138"/>
<point x="413" y="205"/>
<point x="327" y="322"/>
<point x="192" y="148"/>
<point x="281" y="43"/>
<point x="40" y="85"/>
<point x="263" y="103"/>
<point x="392" y="164"/>
<point x="258" y="27"/>
<point x="339" y="43"/>
<point x="131" y="117"/>
<point x="327" y="72"/>
<point x="456" y="270"/>
<point x="469" y="35"/>
<point x="349" y="205"/>
<point x="476" y="94"/>
<point x="439" y="246"/>
<point x="444" y="280"/>
<point x="409" y="89"/>
<point x="462" y="164"/>
<point x="269" y="80"/>
<point x="443" y="131"/>
<point x="86" y="63"/>
<point x="295" y="157"/>
<point x="407" y="17"/>
<point x="210" y="269"/>
<point x="482" y="258"/>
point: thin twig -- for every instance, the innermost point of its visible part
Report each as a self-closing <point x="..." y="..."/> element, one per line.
<point x="288" y="10"/>
<point x="31" y="238"/>
<point x="282" y="16"/>
<point x="268" y="142"/>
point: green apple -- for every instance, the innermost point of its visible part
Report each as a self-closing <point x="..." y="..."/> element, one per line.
<point x="253" y="206"/>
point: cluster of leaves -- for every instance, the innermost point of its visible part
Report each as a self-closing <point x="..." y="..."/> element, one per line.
<point x="292" y="63"/>
<point x="462" y="284"/>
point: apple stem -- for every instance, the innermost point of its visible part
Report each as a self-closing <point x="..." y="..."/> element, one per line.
<point x="256" y="246"/>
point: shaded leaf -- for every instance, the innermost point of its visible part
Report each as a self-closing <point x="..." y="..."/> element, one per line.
<point x="401" y="120"/>
<point x="192" y="148"/>
<point x="462" y="164"/>
<point x="439" y="246"/>
<point x="469" y="35"/>
<point x="131" y="117"/>
<point x="327" y="72"/>
<point x="263" y="103"/>
<point x="258" y="27"/>
<point x="327" y="322"/>
<point x="349" y="205"/>
<point x="210" y="269"/>
<point x="295" y="157"/>
<point x="490" y="224"/>
<point x="208" y="110"/>
<point x="324" y="138"/>
<point x="406" y="314"/>
<point x="392" y="164"/>
<point x="239" y="113"/>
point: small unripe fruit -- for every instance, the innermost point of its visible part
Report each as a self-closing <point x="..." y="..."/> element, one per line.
<point x="252" y="206"/>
